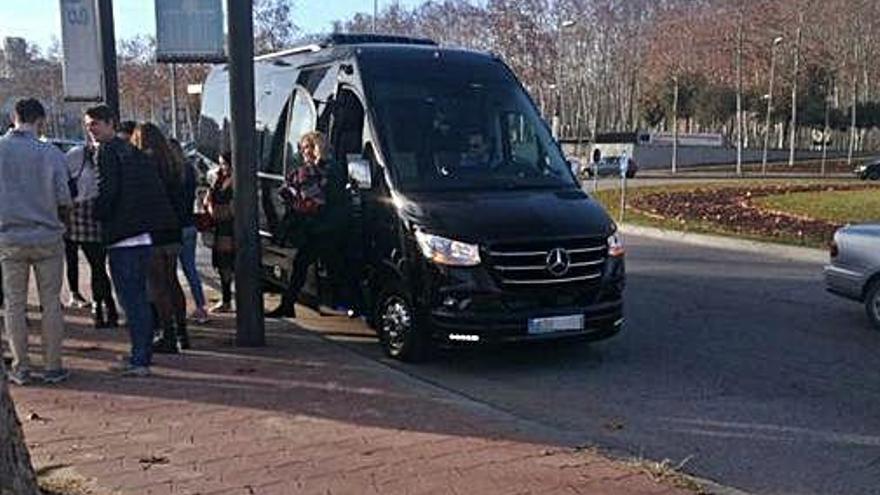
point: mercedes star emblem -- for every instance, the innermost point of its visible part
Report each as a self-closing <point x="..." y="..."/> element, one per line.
<point x="558" y="262"/>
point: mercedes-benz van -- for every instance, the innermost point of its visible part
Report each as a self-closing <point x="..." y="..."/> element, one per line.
<point x="468" y="223"/>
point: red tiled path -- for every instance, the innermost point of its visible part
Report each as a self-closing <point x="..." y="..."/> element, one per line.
<point x="299" y="416"/>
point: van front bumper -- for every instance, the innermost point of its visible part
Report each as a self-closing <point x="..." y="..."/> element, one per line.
<point x="600" y="321"/>
<point x="469" y="306"/>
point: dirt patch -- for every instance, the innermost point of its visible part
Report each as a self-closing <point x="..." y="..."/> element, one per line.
<point x="732" y="209"/>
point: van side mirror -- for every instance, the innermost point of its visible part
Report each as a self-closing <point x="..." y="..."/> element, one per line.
<point x="359" y="172"/>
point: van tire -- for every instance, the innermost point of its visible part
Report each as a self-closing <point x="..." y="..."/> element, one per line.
<point x="402" y="334"/>
<point x="872" y="303"/>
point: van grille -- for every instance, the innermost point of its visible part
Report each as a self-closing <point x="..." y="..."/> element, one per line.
<point x="537" y="264"/>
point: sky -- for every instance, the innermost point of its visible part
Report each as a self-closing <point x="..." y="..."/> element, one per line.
<point x="38" y="20"/>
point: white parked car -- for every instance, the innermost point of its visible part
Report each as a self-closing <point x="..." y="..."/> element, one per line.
<point x="854" y="271"/>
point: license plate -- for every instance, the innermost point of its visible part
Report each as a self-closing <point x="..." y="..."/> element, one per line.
<point x="556" y="324"/>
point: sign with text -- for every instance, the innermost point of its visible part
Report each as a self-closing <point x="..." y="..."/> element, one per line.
<point x="189" y="31"/>
<point x="82" y="69"/>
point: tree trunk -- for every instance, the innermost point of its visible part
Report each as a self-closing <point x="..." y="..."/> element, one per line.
<point x="16" y="472"/>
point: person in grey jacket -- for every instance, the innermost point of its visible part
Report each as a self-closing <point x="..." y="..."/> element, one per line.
<point x="34" y="196"/>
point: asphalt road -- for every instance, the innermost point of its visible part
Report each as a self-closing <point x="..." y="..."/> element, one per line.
<point x="739" y="366"/>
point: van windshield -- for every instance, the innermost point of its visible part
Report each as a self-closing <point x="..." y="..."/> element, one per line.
<point x="450" y="128"/>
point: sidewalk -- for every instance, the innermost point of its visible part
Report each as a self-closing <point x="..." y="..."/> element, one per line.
<point x="300" y="416"/>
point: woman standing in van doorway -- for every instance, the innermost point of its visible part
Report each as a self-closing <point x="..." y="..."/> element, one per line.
<point x="219" y="206"/>
<point x="315" y="197"/>
<point x="164" y="287"/>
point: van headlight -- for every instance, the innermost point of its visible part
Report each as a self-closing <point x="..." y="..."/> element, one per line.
<point x="445" y="251"/>
<point x="615" y="246"/>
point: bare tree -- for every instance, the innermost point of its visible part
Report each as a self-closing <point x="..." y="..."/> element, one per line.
<point x="274" y="28"/>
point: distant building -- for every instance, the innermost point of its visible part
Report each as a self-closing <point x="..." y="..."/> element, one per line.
<point x="13" y="56"/>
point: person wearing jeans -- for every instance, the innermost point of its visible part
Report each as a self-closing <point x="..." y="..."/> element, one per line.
<point x="34" y="195"/>
<point x="131" y="206"/>
<point x="128" y="268"/>
<point x="188" y="263"/>
<point x="187" y="254"/>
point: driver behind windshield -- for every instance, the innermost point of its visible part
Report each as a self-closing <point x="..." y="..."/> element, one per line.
<point x="477" y="152"/>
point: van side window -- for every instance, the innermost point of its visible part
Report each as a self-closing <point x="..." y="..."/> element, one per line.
<point x="273" y="163"/>
<point x="348" y="126"/>
<point x="302" y="120"/>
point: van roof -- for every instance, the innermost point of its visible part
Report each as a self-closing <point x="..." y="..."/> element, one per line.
<point x="342" y="45"/>
<point x="344" y="39"/>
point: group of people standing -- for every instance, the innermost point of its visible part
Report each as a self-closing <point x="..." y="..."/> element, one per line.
<point x="127" y="197"/>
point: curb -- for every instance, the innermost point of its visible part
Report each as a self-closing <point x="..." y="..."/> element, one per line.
<point x="793" y="253"/>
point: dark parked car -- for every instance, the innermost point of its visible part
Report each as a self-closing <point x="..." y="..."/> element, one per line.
<point x="869" y="170"/>
<point x="854" y="271"/>
<point x="609" y="166"/>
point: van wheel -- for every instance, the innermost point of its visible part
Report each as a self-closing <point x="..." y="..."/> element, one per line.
<point x="872" y="303"/>
<point x="401" y="335"/>
<point x="874" y="175"/>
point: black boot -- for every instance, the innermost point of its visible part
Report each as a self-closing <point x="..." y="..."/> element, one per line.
<point x="284" y="310"/>
<point x="182" y="336"/>
<point x="98" y="315"/>
<point x="112" y="314"/>
<point x="167" y="344"/>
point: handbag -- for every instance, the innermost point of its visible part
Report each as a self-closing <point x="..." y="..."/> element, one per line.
<point x="203" y="222"/>
<point x="224" y="244"/>
<point x="221" y="212"/>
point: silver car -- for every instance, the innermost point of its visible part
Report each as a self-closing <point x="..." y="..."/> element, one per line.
<point x="854" y="271"/>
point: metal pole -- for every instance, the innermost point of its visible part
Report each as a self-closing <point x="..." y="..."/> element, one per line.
<point x="739" y="91"/>
<point x="375" y="14"/>
<point x="248" y="286"/>
<point x="769" y="103"/>
<point x="825" y="133"/>
<point x="797" y="58"/>
<point x="174" y="101"/>
<point x="675" y="125"/>
<point x="108" y="53"/>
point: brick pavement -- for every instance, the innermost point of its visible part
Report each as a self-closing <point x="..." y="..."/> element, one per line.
<point x="299" y="416"/>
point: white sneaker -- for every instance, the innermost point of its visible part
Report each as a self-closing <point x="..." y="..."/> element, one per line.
<point x="77" y="301"/>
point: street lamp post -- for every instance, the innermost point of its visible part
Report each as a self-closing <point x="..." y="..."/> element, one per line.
<point x="792" y="137"/>
<point x="557" y="115"/>
<point x="776" y="42"/>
